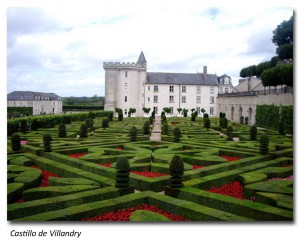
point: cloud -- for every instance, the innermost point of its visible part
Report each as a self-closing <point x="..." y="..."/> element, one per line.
<point x="49" y="50"/>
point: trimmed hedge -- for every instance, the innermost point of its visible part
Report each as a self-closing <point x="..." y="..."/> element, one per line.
<point x="257" y="211"/>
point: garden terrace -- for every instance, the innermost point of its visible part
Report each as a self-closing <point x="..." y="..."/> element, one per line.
<point x="76" y="180"/>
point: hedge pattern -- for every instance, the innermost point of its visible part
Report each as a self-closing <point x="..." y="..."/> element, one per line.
<point x="86" y="170"/>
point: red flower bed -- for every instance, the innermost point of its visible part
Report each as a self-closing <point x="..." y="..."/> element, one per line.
<point x="78" y="155"/>
<point x="149" y="174"/>
<point x="104" y="164"/>
<point x="230" y="158"/>
<point x="119" y="148"/>
<point x="20" y="200"/>
<point x="45" y="177"/>
<point x="233" y="189"/>
<point x="197" y="167"/>
<point x="124" y="214"/>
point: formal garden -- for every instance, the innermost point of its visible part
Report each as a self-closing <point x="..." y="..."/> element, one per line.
<point x="96" y="167"/>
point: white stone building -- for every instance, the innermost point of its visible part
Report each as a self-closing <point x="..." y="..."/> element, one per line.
<point x="42" y="103"/>
<point x="129" y="85"/>
<point x="249" y="93"/>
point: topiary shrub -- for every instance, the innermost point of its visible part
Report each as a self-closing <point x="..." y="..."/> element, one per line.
<point x="62" y="130"/>
<point x="165" y="129"/>
<point x="242" y="120"/>
<point x="146" y="128"/>
<point x="120" y="117"/>
<point x="224" y="123"/>
<point x="176" y="172"/>
<point x="229" y="133"/>
<point x="133" y="134"/>
<point x="177" y="134"/>
<point x="47" y="142"/>
<point x="253" y="132"/>
<point x="193" y="116"/>
<point x="246" y="120"/>
<point x="264" y="144"/>
<point x="185" y="111"/>
<point x="220" y="115"/>
<point x="123" y="172"/>
<point x="151" y="120"/>
<point x="153" y="114"/>
<point x="83" y="131"/>
<point x="89" y="123"/>
<point x="163" y="119"/>
<point x="16" y="142"/>
<point x="105" y="123"/>
<point x="206" y="123"/>
<point x="205" y="115"/>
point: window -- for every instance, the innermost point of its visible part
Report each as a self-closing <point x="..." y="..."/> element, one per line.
<point x="198" y="99"/>
<point x="171" y="99"/>
<point x="126" y="74"/>
<point x="212" y="100"/>
<point x="155" y="88"/>
<point x="171" y="110"/>
<point x="125" y="111"/>
<point x="148" y="99"/>
<point x="148" y="88"/>
<point x="183" y="89"/>
<point x="171" y="88"/>
<point x="211" y="110"/>
<point x="183" y="99"/>
<point x="221" y="89"/>
<point x="126" y="85"/>
<point x="212" y="90"/>
<point x="155" y="99"/>
<point x="226" y="89"/>
<point x="198" y="109"/>
<point x="125" y="99"/>
<point x="198" y="89"/>
<point x="155" y="110"/>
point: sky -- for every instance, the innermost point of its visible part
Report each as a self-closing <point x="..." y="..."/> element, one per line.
<point x="50" y="49"/>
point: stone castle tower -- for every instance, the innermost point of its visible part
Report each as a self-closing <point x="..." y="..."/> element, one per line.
<point x="124" y="85"/>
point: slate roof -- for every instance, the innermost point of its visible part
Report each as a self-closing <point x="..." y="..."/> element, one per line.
<point x="182" y="78"/>
<point x="29" y="96"/>
<point x="142" y="59"/>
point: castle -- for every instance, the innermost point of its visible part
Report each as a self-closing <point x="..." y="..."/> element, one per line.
<point x="129" y="85"/>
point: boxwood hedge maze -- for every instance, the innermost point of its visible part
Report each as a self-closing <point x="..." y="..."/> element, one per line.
<point x="100" y="172"/>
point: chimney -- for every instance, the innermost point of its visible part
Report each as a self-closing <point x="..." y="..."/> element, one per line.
<point x="205" y="72"/>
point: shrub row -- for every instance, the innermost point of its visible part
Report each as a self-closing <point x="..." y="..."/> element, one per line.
<point x="257" y="211"/>
<point x="48" y="121"/>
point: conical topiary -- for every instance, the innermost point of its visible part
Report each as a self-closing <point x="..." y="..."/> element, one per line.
<point x="62" y="131"/>
<point x="146" y="128"/>
<point x="206" y="123"/>
<point x="176" y="172"/>
<point x="229" y="133"/>
<point x="253" y="132"/>
<point x="16" y="142"/>
<point x="264" y="144"/>
<point x="177" y="134"/>
<point x="123" y="172"/>
<point x="47" y="142"/>
<point x="83" y="131"/>
<point x="165" y="129"/>
<point x="133" y="134"/>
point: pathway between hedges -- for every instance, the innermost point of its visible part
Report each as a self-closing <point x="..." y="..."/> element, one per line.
<point x="156" y="131"/>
